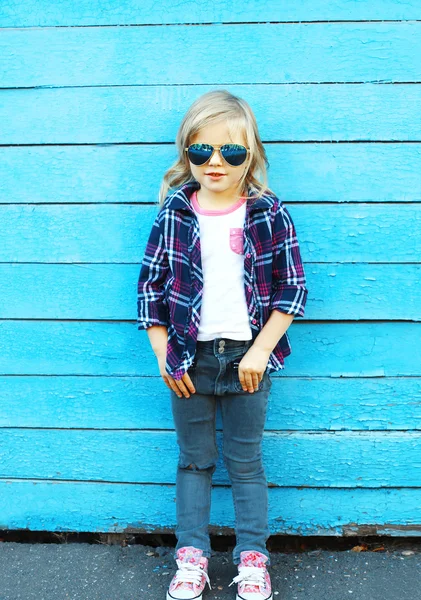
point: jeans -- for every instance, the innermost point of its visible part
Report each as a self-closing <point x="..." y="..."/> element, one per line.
<point x="214" y="374"/>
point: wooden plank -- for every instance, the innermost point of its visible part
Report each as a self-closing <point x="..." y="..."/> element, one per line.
<point x="107" y="293"/>
<point x="125" y="508"/>
<point x="336" y="291"/>
<point x="144" y="12"/>
<point x="303" y="53"/>
<point x="311" y="459"/>
<point x="356" y="349"/>
<point x="330" y="233"/>
<point x="286" y="113"/>
<point x="295" y="403"/>
<point x="299" y="172"/>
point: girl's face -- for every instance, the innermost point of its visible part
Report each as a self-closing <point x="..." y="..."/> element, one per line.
<point x="227" y="185"/>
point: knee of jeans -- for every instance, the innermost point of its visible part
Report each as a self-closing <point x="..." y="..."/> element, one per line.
<point x="244" y="469"/>
<point x="186" y="466"/>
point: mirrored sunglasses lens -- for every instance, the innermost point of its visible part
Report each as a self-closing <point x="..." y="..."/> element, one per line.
<point x="234" y="154"/>
<point x="199" y="153"/>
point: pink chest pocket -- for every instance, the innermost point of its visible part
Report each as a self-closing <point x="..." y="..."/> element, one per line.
<point x="236" y="240"/>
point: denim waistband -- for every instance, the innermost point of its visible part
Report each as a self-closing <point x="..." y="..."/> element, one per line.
<point x="214" y="346"/>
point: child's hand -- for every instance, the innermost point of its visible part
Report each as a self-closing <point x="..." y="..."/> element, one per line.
<point x="252" y="368"/>
<point x="183" y="386"/>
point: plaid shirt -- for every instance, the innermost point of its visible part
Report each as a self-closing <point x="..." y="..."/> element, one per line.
<point x="170" y="283"/>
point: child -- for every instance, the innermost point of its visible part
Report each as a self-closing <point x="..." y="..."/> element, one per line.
<point x="219" y="285"/>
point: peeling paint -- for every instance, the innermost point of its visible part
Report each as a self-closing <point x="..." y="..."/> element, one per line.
<point x="354" y="529"/>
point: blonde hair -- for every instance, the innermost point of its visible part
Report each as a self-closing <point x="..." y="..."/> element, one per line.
<point x="209" y="108"/>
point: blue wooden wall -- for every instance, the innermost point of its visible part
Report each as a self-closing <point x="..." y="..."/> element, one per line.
<point x="91" y="97"/>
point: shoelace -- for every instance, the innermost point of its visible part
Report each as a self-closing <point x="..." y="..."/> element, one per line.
<point x="189" y="573"/>
<point x="250" y="576"/>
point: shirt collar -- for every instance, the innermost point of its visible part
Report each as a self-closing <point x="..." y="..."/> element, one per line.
<point x="180" y="199"/>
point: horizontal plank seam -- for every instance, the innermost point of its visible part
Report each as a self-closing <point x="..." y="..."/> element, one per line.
<point x="293" y="433"/>
<point x="158" y="378"/>
<point x="213" y="84"/>
<point x="154" y="143"/>
<point x="207" y="23"/>
<point x="144" y="483"/>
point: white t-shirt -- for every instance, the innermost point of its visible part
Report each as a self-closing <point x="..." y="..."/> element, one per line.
<point x="224" y="310"/>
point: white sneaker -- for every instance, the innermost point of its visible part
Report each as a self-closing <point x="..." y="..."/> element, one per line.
<point x="253" y="577"/>
<point x="192" y="574"/>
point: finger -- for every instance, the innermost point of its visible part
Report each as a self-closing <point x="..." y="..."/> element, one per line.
<point x="187" y="380"/>
<point x="255" y="381"/>
<point x="242" y="378"/>
<point x="249" y="382"/>
<point x="183" y="388"/>
<point x="173" y="386"/>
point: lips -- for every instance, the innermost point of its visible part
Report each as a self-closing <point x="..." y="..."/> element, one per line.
<point x="215" y="174"/>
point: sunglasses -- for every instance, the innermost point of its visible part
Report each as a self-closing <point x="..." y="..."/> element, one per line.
<point x="233" y="154"/>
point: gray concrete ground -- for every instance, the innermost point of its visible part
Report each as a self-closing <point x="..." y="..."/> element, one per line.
<point x="95" y="571"/>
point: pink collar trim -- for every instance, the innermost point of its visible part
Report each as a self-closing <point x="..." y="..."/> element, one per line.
<point x="215" y="213"/>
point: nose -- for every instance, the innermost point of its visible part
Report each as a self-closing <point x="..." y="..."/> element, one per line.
<point x="216" y="158"/>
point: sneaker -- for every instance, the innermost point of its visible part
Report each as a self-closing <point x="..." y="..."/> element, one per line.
<point x="192" y="574"/>
<point x="253" y="577"/>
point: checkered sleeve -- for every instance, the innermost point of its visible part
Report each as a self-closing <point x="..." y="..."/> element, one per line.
<point x="289" y="292"/>
<point x="151" y="304"/>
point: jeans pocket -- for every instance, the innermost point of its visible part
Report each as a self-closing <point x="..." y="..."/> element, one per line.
<point x="236" y="380"/>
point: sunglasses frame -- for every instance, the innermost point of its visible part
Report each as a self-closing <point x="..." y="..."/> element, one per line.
<point x="218" y="148"/>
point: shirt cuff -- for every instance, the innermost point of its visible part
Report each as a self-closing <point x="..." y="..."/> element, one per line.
<point x="290" y="299"/>
<point x="156" y="315"/>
